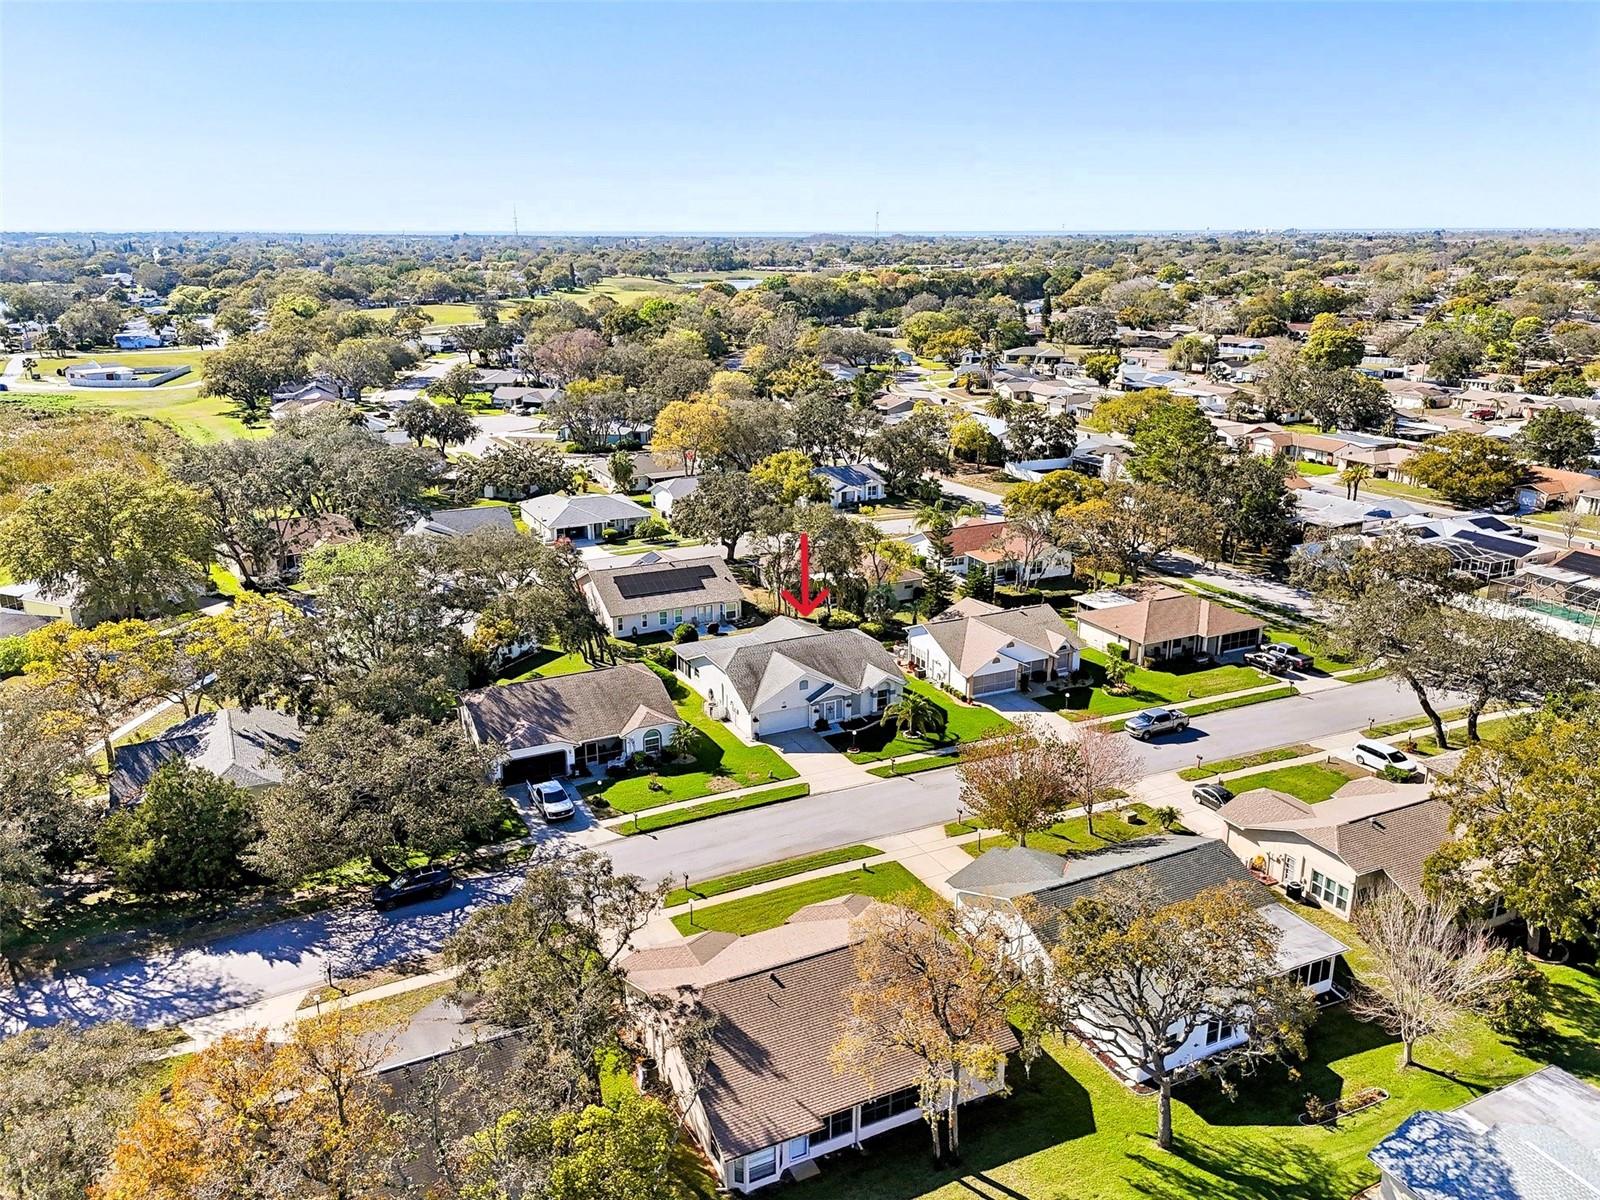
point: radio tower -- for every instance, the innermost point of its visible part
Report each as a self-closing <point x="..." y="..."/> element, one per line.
<point x="516" y="232"/>
<point x="875" y="222"/>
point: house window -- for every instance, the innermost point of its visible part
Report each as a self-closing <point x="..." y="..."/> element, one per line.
<point x="1314" y="973"/>
<point x="805" y="685"/>
<point x="838" y="1125"/>
<point x="888" y="1106"/>
<point x="664" y="617"/>
<point x="1329" y="891"/>
<point x="652" y="741"/>
<point x="761" y="1165"/>
<point x="1219" y="1031"/>
<point x="798" y="1147"/>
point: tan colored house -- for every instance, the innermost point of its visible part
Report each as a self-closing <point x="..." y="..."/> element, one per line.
<point x="770" y="1102"/>
<point x="980" y="649"/>
<point x="1170" y="624"/>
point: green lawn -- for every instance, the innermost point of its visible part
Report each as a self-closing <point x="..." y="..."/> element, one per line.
<point x="966" y="723"/>
<point x="1205" y="707"/>
<point x="759" y="798"/>
<point x="1243" y="763"/>
<point x="1308" y="469"/>
<point x="705" y="889"/>
<point x="768" y="910"/>
<point x="721" y="763"/>
<point x="544" y="663"/>
<point x="1306" y="643"/>
<point x="914" y="766"/>
<point x="1150" y="687"/>
<point x="192" y="416"/>
<point x="1072" y="835"/>
<point x="1311" y="782"/>
<point x="192" y="358"/>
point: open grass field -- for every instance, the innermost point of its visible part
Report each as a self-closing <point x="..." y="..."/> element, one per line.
<point x="192" y="358"/>
<point x="192" y="416"/>
<point x="767" y="910"/>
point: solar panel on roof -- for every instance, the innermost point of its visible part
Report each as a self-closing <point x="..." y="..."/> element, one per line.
<point x="1498" y="545"/>
<point x="663" y="583"/>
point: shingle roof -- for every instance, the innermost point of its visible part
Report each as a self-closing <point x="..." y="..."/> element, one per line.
<point x="1009" y="872"/>
<point x="245" y="746"/>
<point x="851" y="475"/>
<point x="593" y="508"/>
<point x="1169" y="614"/>
<point x="1369" y="824"/>
<point x="784" y="651"/>
<point x="638" y="587"/>
<point x="972" y="633"/>
<point x="1536" y="1139"/>
<point x="572" y="709"/>
<point x="15" y="623"/>
<point x="770" y="1076"/>
<point x="456" y="522"/>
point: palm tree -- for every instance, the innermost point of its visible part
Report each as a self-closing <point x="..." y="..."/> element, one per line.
<point x="1353" y="475"/>
<point x="914" y="715"/>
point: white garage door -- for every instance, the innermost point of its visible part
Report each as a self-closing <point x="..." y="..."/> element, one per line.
<point x="796" y="717"/>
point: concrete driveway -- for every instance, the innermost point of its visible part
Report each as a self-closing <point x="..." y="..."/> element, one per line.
<point x="819" y="764"/>
<point x="1015" y="704"/>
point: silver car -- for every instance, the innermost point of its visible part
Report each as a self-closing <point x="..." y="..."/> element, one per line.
<point x="1153" y="722"/>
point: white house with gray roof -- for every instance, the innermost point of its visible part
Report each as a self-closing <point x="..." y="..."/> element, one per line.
<point x="852" y="484"/>
<point x="981" y="649"/>
<point x="789" y="675"/>
<point x="655" y="595"/>
<point x="459" y="522"/>
<point x="1176" y="868"/>
<point x="583" y="518"/>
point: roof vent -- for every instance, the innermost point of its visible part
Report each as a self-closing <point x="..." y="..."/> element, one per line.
<point x="1377" y="824"/>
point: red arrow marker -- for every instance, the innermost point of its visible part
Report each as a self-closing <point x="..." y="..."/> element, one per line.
<point x="805" y="604"/>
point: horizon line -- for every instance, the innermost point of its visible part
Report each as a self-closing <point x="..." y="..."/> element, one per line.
<point x="879" y="235"/>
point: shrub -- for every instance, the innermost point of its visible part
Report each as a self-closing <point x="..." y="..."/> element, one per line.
<point x="661" y="654"/>
<point x="14" y="656"/>
<point x="685" y="633"/>
<point x="875" y="629"/>
<point x="1518" y="1009"/>
<point x="1017" y="597"/>
<point x="1166" y="816"/>
<point x="188" y="834"/>
<point x="652" y="529"/>
<point x="839" y="619"/>
<point x="614" y="535"/>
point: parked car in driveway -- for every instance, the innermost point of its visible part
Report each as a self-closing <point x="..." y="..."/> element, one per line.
<point x="552" y="801"/>
<point x="1380" y="757"/>
<point x="419" y="883"/>
<point x="1211" y="795"/>
<point x="1269" y="661"/>
<point x="1153" y="722"/>
<point x="1301" y="660"/>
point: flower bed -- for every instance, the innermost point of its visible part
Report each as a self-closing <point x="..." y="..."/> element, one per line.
<point x="1322" y="1112"/>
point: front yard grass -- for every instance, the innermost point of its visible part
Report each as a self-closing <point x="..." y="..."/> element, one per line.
<point x="1071" y="1131"/>
<point x="1311" y="782"/>
<point x="759" y="798"/>
<point x="1306" y="643"/>
<point x="966" y="723"/>
<point x="544" y="663"/>
<point x="705" y="889"/>
<point x="1149" y="687"/>
<point x="768" y="910"/>
<point x="1244" y="762"/>
<point x="1071" y="836"/>
<point x="721" y="763"/>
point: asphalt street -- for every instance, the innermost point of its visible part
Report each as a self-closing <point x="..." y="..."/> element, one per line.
<point x="293" y="955"/>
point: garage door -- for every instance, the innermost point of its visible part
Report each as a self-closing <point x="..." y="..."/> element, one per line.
<point x="1001" y="681"/>
<point x="535" y="768"/>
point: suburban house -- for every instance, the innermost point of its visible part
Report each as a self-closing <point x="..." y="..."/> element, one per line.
<point x="990" y="542"/>
<point x="1323" y="514"/>
<point x="30" y="599"/>
<point x="136" y="340"/>
<point x="852" y="485"/>
<point x="460" y="522"/>
<point x="1170" y="624"/>
<point x="1484" y="546"/>
<point x="1176" y="868"/>
<point x="293" y="538"/>
<point x="546" y="728"/>
<point x="769" y="1102"/>
<point x="1382" y="462"/>
<point x="667" y="492"/>
<point x="980" y="649"/>
<point x="1370" y="836"/>
<point x="1550" y="488"/>
<point x="902" y="582"/>
<point x="245" y="746"/>
<point x="583" y="518"/>
<point x="1047" y="357"/>
<point x="1535" y="1139"/>
<point x="655" y="595"/>
<point x="648" y="470"/>
<point x="789" y="674"/>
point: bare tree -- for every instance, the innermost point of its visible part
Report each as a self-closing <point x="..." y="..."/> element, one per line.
<point x="1021" y="781"/>
<point x="1143" y="976"/>
<point x="935" y="986"/>
<point x="1428" y="971"/>
<point x="1106" y="765"/>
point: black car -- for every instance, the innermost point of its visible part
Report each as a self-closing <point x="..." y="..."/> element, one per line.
<point x="1211" y="795"/>
<point x="1269" y="661"/>
<point x="419" y="883"/>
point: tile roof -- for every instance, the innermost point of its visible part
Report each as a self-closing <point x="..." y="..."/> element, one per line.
<point x="972" y="633"/>
<point x="781" y="1000"/>
<point x="1169" y="614"/>
<point x="648" y="586"/>
<point x="245" y="746"/>
<point x="573" y="709"/>
<point x="780" y="653"/>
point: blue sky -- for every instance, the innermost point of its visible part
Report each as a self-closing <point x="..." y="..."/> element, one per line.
<point x="728" y="117"/>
